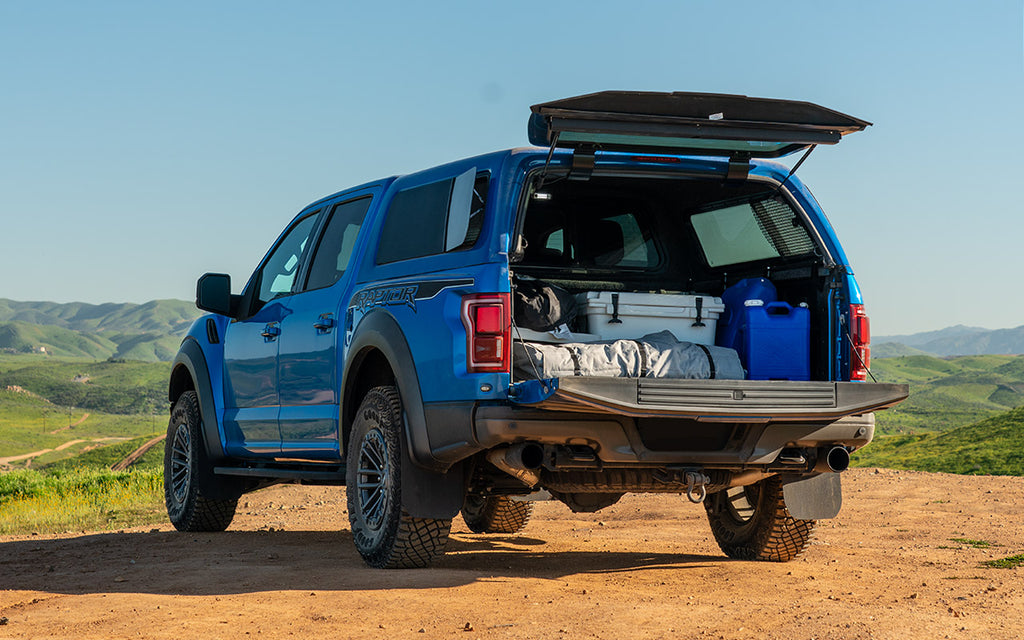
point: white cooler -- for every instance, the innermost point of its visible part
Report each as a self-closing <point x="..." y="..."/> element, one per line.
<point x="613" y="315"/>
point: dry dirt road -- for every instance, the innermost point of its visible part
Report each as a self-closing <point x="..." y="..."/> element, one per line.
<point x="888" y="567"/>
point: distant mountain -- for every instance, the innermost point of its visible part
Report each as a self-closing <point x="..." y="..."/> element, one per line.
<point x="958" y="341"/>
<point x="994" y="446"/>
<point x="151" y="331"/>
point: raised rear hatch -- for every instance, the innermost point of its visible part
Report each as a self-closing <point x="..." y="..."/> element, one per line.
<point x="687" y="123"/>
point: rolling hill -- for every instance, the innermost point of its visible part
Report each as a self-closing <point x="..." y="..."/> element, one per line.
<point x="149" y="332"/>
<point x="994" y="446"/>
<point x="946" y="393"/>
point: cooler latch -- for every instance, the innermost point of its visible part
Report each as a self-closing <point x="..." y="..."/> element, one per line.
<point x="699" y="321"/>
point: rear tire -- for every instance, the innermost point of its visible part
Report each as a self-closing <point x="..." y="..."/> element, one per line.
<point x="752" y="523"/>
<point x="385" y="535"/>
<point x="188" y="474"/>
<point x="497" y="514"/>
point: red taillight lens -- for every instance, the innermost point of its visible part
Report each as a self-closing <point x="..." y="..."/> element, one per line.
<point x="488" y="321"/>
<point x="488" y="318"/>
<point x="860" y="336"/>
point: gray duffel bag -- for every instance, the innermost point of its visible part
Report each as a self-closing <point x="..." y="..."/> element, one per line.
<point x="657" y="355"/>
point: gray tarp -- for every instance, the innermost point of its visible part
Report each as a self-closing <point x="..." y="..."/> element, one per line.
<point x="657" y="355"/>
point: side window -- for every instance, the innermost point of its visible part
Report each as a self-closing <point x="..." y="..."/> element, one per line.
<point x="638" y="250"/>
<point x="337" y="243"/>
<point x="623" y="240"/>
<point x="434" y="218"/>
<point x="555" y="242"/>
<point x="277" y="275"/>
<point x="752" y="231"/>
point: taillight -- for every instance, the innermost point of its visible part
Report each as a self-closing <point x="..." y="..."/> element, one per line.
<point x="860" y="337"/>
<point x="488" y="321"/>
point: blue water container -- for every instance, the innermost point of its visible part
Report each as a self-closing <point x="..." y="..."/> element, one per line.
<point x="776" y="340"/>
<point x="734" y="298"/>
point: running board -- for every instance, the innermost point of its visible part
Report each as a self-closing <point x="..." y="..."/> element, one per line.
<point x="332" y="474"/>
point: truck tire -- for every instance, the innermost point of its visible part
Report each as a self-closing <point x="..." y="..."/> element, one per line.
<point x="385" y="535"/>
<point x="496" y="514"/>
<point x="187" y="473"/>
<point x="752" y="523"/>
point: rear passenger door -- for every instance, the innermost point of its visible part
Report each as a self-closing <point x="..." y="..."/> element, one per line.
<point x="309" y="353"/>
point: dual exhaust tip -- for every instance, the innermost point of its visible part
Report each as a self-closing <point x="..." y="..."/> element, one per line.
<point x="524" y="460"/>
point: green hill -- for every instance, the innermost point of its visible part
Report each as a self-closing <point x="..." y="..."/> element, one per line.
<point x="149" y="332"/>
<point x="946" y="393"/>
<point x="994" y="446"/>
<point x="110" y="387"/>
<point x="893" y="350"/>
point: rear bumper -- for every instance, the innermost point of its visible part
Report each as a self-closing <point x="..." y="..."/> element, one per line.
<point x="621" y="440"/>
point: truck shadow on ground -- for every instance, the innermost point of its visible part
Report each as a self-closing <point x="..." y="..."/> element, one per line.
<point x="237" y="562"/>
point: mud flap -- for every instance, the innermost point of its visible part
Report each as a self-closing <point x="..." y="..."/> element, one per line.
<point x="816" y="498"/>
<point x="429" y="494"/>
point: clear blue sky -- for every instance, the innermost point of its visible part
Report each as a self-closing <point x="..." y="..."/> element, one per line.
<point x="142" y="144"/>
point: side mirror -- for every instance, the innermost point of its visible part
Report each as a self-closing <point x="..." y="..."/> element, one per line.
<point x="213" y="293"/>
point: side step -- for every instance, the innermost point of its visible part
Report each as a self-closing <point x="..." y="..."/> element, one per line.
<point x="328" y="474"/>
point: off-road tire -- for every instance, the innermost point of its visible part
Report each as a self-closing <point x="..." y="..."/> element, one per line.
<point x="385" y="535"/>
<point x="188" y="473"/>
<point x="496" y="514"/>
<point x="752" y="523"/>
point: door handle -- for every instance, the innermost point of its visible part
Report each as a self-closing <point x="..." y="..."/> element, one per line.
<point x="324" y="323"/>
<point x="270" y="332"/>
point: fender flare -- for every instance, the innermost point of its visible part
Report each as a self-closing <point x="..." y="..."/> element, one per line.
<point x="380" y="331"/>
<point x="430" y="489"/>
<point x="191" y="356"/>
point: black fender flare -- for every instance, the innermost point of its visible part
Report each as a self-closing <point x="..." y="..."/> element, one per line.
<point x="430" y="488"/>
<point x="191" y="357"/>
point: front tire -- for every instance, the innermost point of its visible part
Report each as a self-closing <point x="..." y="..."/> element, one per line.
<point x="752" y="523"/>
<point x="188" y="473"/>
<point x="385" y="535"/>
<point x="496" y="514"/>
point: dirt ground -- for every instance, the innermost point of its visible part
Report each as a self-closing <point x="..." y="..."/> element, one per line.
<point x="887" y="567"/>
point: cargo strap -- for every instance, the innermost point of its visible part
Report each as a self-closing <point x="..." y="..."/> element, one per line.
<point x="643" y="358"/>
<point x="711" y="361"/>
<point x="577" y="369"/>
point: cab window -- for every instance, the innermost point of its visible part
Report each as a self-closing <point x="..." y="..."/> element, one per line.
<point x="277" y="275"/>
<point x="337" y="243"/>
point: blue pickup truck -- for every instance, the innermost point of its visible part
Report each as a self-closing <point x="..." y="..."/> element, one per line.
<point x="642" y="301"/>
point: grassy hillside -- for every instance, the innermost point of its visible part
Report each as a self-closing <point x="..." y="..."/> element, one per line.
<point x="155" y="316"/>
<point x="946" y="393"/>
<point x="46" y="403"/>
<point x="149" y="332"/>
<point x="23" y="337"/>
<point x="894" y="350"/>
<point x="106" y="456"/>
<point x="994" y="446"/>
<point x="110" y="387"/>
<point x="29" y="423"/>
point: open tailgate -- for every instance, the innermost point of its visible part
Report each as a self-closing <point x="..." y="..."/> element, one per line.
<point x="710" y="400"/>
